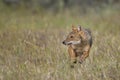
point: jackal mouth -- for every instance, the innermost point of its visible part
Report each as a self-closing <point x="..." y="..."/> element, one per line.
<point x="66" y="43"/>
<point x="71" y="42"/>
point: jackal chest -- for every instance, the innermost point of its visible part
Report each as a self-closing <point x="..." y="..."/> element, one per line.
<point x="81" y="48"/>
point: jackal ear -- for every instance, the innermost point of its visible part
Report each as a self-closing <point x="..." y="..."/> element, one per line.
<point x="79" y="28"/>
<point x="81" y="33"/>
<point x="74" y="28"/>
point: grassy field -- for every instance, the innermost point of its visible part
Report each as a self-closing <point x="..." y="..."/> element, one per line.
<point x="31" y="46"/>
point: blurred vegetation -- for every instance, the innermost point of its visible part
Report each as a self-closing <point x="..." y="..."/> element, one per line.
<point x="60" y="5"/>
<point x="31" y="32"/>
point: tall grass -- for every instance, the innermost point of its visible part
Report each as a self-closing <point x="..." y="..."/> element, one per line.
<point x="31" y="48"/>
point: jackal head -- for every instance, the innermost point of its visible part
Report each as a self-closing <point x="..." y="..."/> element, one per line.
<point x="74" y="37"/>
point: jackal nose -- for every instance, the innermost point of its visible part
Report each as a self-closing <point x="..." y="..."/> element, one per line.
<point x="63" y="42"/>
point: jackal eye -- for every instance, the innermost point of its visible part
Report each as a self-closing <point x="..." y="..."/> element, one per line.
<point x="71" y="36"/>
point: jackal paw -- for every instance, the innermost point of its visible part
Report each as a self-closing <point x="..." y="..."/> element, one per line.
<point x="74" y="61"/>
<point x="81" y="61"/>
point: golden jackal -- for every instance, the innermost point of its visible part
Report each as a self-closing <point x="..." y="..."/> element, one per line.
<point x="79" y="42"/>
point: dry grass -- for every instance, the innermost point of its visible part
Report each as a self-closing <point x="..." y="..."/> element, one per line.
<point x="31" y="48"/>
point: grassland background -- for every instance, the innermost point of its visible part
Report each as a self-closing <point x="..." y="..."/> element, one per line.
<point x="31" y="48"/>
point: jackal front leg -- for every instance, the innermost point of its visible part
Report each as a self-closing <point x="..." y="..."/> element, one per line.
<point x="72" y="55"/>
<point x="84" y="56"/>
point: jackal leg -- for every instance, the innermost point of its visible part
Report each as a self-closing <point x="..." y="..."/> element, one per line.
<point x="84" y="56"/>
<point x="72" y="55"/>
